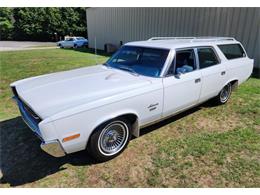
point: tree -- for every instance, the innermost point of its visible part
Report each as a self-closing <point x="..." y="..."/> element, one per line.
<point x="6" y="23"/>
<point x="43" y="23"/>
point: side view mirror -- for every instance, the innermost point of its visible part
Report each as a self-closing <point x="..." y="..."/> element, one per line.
<point x="178" y="75"/>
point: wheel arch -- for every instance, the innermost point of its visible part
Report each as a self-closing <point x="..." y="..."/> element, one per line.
<point x="131" y="116"/>
<point x="234" y="83"/>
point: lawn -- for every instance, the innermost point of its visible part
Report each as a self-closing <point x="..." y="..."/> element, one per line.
<point x="17" y="65"/>
<point x="206" y="146"/>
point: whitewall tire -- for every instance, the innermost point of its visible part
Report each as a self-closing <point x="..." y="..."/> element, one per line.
<point x="109" y="139"/>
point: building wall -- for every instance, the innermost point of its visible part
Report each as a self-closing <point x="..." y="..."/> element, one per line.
<point x="112" y="25"/>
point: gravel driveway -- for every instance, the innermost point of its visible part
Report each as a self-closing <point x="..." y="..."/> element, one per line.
<point x="25" y="45"/>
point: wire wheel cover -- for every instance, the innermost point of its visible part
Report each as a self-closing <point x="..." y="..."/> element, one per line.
<point x="113" y="138"/>
<point x="225" y="93"/>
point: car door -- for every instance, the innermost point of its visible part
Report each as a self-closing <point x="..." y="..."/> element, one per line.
<point x="213" y="72"/>
<point x="182" y="83"/>
<point x="69" y="42"/>
<point x="80" y="41"/>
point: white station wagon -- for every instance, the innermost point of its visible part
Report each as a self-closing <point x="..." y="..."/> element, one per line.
<point x="99" y="108"/>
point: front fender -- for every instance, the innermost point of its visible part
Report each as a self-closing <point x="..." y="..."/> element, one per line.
<point x="85" y="123"/>
<point x="81" y="121"/>
<point x="110" y="116"/>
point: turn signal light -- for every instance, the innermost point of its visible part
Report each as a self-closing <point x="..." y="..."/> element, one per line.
<point x="70" y="137"/>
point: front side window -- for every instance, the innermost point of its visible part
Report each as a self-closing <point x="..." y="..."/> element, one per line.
<point x="184" y="62"/>
<point x="140" y="60"/>
<point x="207" y="57"/>
<point x="232" y="51"/>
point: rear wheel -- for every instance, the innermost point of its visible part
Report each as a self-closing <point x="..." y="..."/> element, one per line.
<point x="224" y="94"/>
<point x="109" y="139"/>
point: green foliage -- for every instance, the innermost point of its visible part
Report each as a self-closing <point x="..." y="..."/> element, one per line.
<point x="6" y="23"/>
<point x="42" y="24"/>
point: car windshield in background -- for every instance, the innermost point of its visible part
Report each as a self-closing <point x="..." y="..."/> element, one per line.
<point x="140" y="60"/>
<point x="80" y="38"/>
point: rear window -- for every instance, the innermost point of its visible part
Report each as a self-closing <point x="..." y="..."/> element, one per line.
<point x="207" y="57"/>
<point x="232" y="51"/>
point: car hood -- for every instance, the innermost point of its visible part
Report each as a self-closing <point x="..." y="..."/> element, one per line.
<point x="52" y="93"/>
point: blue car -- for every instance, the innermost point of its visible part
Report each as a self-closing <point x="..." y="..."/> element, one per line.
<point x="73" y="42"/>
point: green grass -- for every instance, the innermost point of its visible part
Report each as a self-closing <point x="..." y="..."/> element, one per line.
<point x="235" y="150"/>
<point x="22" y="64"/>
<point x="205" y="147"/>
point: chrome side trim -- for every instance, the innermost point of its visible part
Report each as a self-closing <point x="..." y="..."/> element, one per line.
<point x="53" y="148"/>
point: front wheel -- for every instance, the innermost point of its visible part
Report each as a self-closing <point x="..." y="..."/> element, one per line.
<point x="224" y="94"/>
<point x="109" y="139"/>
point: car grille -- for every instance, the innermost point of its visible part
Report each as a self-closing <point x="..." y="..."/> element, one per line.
<point x="28" y="115"/>
<point x="31" y="113"/>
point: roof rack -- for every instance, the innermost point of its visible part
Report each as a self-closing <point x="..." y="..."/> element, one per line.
<point x="192" y="39"/>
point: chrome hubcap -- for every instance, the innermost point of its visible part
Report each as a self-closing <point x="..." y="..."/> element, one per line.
<point x="225" y="92"/>
<point x="113" y="138"/>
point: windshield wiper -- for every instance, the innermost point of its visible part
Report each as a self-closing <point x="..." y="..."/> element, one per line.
<point x="128" y="69"/>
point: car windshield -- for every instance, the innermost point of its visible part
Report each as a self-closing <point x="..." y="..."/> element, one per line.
<point x="140" y="60"/>
<point x="80" y="38"/>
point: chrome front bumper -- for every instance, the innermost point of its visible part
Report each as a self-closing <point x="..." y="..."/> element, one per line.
<point x="53" y="147"/>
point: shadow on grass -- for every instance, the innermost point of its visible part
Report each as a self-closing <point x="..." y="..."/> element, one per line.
<point x="22" y="160"/>
<point x="256" y="74"/>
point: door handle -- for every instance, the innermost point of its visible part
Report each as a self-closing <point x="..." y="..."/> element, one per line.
<point x="223" y="72"/>
<point x="197" y="80"/>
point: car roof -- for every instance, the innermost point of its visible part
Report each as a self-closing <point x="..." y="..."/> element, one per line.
<point x="182" y="42"/>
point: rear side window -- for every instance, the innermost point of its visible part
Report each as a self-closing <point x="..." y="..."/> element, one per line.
<point x="232" y="51"/>
<point x="207" y="57"/>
